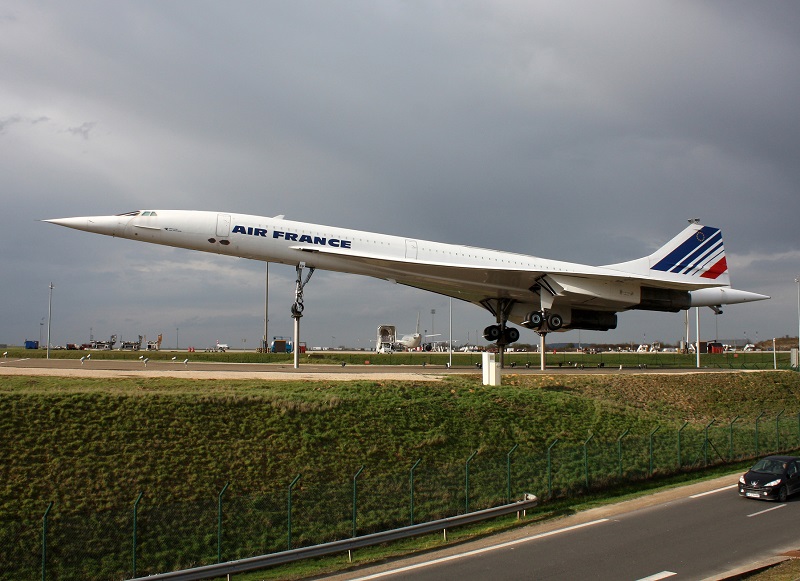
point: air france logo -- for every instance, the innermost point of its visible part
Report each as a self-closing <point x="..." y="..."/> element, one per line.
<point x="293" y="237"/>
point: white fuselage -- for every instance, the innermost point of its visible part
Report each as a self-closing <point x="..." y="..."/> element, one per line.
<point x="518" y="284"/>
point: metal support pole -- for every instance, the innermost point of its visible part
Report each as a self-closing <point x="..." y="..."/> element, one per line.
<point x="541" y="351"/>
<point x="586" y="460"/>
<point x="619" y="449"/>
<point x="355" y="498"/>
<point x="705" y="443"/>
<point x="135" y="519"/>
<point x="411" y="485"/>
<point x="774" y="356"/>
<point x="44" y="539"/>
<point x="49" y="316"/>
<point x="289" y="513"/>
<point x="296" y="343"/>
<point x="508" y="473"/>
<point x="797" y="280"/>
<point x="653" y="433"/>
<point x="730" y="437"/>
<point x="680" y="462"/>
<point x="219" y="522"/>
<point x="266" y="308"/>
<point x="778" y="431"/>
<point x="697" y="345"/>
<point x="450" y="340"/>
<point x="757" y="418"/>
<point x="466" y="482"/>
<point x="550" y="470"/>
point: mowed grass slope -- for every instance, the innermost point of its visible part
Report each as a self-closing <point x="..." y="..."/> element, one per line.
<point x="91" y="444"/>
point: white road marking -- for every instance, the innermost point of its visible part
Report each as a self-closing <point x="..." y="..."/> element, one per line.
<point x="767" y="510"/>
<point x="479" y="551"/>
<point x="657" y="576"/>
<point x="714" y="491"/>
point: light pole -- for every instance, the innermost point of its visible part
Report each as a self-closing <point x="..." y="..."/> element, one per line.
<point x="49" y="313"/>
<point x="797" y="280"/>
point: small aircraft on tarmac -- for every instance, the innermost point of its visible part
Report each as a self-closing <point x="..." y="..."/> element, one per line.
<point x="387" y="343"/>
<point x="537" y="293"/>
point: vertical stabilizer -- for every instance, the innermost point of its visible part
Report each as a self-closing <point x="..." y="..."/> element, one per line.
<point x="697" y="255"/>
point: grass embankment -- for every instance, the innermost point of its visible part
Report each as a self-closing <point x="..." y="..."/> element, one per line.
<point x="88" y="443"/>
<point x="93" y="445"/>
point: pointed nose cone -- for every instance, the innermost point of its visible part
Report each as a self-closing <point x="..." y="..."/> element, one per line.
<point x="77" y="223"/>
<point x="108" y="225"/>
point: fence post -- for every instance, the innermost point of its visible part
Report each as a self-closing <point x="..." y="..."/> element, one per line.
<point x="586" y="460"/>
<point x="466" y="482"/>
<point x="219" y="522"/>
<point x="135" y="516"/>
<point x="508" y="473"/>
<point x="355" y="497"/>
<point x="705" y="443"/>
<point x="550" y="470"/>
<point x="411" y="479"/>
<point x="680" y="463"/>
<point x="777" y="431"/>
<point x="44" y="541"/>
<point x="757" y="418"/>
<point x="651" y="448"/>
<point x="619" y="449"/>
<point x="289" y="513"/>
<point x="730" y="437"/>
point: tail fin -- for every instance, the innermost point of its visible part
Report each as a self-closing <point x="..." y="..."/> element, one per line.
<point x="696" y="255"/>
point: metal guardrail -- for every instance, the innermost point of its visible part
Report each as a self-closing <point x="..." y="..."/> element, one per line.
<point x="263" y="561"/>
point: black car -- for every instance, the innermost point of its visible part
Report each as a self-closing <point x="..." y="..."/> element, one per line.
<point x="771" y="478"/>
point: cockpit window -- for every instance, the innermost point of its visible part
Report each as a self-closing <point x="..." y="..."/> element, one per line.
<point x="149" y="214"/>
<point x="136" y="213"/>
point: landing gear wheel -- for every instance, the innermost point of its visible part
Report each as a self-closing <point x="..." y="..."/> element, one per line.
<point x="511" y="335"/>
<point x="492" y="333"/>
<point x="555" y="322"/>
<point x="536" y="320"/>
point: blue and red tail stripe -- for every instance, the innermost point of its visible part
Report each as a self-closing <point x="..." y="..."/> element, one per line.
<point x="702" y="254"/>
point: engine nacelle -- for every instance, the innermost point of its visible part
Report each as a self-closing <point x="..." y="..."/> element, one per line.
<point x="592" y="320"/>
<point x="664" y="300"/>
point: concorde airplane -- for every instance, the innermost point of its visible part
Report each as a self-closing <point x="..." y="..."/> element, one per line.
<point x="537" y="293"/>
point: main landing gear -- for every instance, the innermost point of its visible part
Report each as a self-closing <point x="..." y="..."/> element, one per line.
<point x="501" y="335"/>
<point x="543" y="321"/>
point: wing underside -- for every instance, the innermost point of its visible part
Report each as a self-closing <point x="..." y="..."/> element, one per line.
<point x="571" y="285"/>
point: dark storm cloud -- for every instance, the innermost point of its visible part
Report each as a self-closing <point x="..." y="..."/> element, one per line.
<point x="576" y="131"/>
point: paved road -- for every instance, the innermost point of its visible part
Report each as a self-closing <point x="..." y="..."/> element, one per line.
<point x="691" y="535"/>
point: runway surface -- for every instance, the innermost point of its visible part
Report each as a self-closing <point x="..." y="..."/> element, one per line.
<point x="98" y="367"/>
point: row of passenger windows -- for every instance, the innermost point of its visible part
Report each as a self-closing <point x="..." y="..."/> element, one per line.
<point x="422" y="250"/>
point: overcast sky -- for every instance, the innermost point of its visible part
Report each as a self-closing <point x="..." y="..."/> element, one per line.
<point x="581" y="131"/>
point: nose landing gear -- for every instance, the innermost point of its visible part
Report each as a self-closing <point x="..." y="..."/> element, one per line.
<point x="297" y="308"/>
